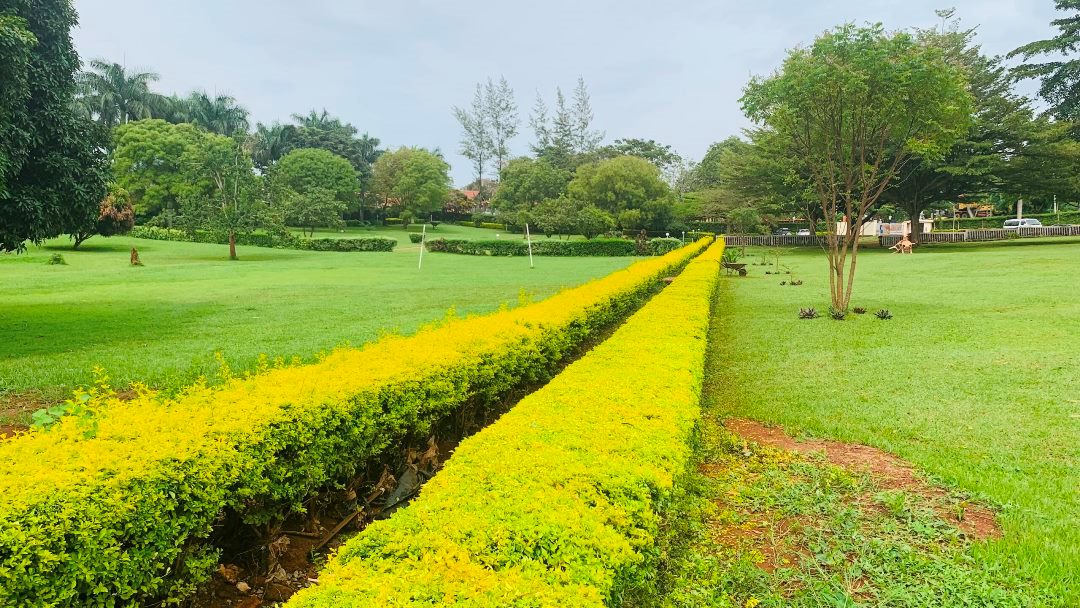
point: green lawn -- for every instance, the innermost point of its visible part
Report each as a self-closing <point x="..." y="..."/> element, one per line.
<point x="976" y="380"/>
<point x="162" y="323"/>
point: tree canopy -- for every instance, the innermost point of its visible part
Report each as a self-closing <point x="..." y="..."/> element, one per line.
<point x="413" y="178"/>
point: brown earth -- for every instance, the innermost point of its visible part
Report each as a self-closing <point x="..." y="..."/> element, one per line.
<point x="889" y="472"/>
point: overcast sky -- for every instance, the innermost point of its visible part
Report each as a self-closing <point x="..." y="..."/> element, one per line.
<point x="669" y="71"/>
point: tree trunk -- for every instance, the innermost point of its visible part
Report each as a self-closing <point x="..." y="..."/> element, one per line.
<point x="232" y="246"/>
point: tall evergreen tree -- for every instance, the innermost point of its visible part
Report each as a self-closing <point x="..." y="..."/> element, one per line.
<point x="1060" y="78"/>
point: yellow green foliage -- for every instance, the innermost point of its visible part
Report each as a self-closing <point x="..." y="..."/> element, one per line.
<point x="115" y="512"/>
<point x="559" y="502"/>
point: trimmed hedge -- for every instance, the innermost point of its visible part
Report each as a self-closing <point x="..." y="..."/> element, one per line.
<point x="415" y="237"/>
<point x="267" y="240"/>
<point x="518" y="247"/>
<point x="533" y="511"/>
<point x="975" y="223"/>
<point x="116" y="512"/>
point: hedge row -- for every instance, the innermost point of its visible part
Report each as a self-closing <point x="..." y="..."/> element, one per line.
<point x="277" y="241"/>
<point x="533" y="511"/>
<point x="114" y="510"/>
<point x="976" y="223"/>
<point x="518" y="247"/>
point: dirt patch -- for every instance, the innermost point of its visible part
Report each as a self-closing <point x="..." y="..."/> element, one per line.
<point x="15" y="410"/>
<point x="889" y="473"/>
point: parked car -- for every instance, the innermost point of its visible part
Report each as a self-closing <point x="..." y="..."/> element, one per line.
<point x="782" y="232"/>
<point x="1022" y="223"/>
<point x="803" y="232"/>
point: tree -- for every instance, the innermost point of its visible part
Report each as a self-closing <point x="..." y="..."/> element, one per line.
<point x="326" y="132"/>
<point x="856" y="106"/>
<point x="1060" y="79"/>
<point x="500" y="110"/>
<point x="592" y="221"/>
<point x="269" y="144"/>
<point x="556" y="216"/>
<point x="526" y="182"/>
<point x="476" y="142"/>
<point x="622" y="183"/>
<point x="583" y="137"/>
<point x="661" y="156"/>
<point x="232" y="205"/>
<point x="147" y="162"/>
<point x="414" y="178"/>
<point x="112" y="95"/>
<point x="568" y="139"/>
<point x="115" y="216"/>
<point x="220" y="114"/>
<point x="538" y="120"/>
<point x="53" y="167"/>
<point x="314" y="187"/>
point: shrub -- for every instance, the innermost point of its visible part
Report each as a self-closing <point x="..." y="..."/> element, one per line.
<point x="280" y="241"/>
<point x="883" y="314"/>
<point x="859" y="310"/>
<point x="121" y="517"/>
<point x="837" y="314"/>
<point x="808" y="313"/>
<point x="361" y="244"/>
<point x="518" y="247"/>
<point x="56" y="259"/>
<point x="392" y="221"/>
<point x="660" y="246"/>
<point x="415" y="237"/>
<point x="533" y="511"/>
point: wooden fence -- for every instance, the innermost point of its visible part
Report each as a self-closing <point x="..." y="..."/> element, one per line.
<point x="773" y="241"/>
<point x="986" y="234"/>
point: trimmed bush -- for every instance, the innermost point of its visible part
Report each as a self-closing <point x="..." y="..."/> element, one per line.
<point x="518" y="247"/>
<point x="114" y="508"/>
<point x="660" y="246"/>
<point x="284" y="241"/>
<point x="533" y="511"/>
<point x="415" y="237"/>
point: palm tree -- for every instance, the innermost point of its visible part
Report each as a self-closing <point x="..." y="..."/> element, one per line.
<point x="171" y="108"/>
<point x="112" y="95"/>
<point x="268" y="144"/>
<point x="219" y="114"/>
<point x="322" y="121"/>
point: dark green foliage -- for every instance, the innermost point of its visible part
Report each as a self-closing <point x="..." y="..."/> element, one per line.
<point x="662" y="245"/>
<point x="1060" y="78"/>
<point x="518" y="247"/>
<point x="276" y="240"/>
<point x="415" y="237"/>
<point x="883" y="314"/>
<point x="52" y="161"/>
<point x="808" y="313"/>
<point x="56" y="260"/>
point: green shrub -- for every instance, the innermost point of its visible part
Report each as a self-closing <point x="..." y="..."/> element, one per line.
<point x="120" y="516"/>
<point x="660" y="246"/>
<point x="518" y="247"/>
<point x="360" y="244"/>
<point x="415" y="237"/>
<point x="533" y="511"/>
<point x="278" y="241"/>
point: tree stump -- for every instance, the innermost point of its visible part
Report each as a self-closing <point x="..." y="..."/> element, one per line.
<point x="135" y="261"/>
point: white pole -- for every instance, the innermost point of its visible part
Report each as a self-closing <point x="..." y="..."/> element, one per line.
<point x="423" y="241"/>
<point x="528" y="237"/>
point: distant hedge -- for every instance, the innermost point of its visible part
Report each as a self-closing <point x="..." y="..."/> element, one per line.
<point x="276" y="241"/>
<point x="976" y="223"/>
<point x="588" y="248"/>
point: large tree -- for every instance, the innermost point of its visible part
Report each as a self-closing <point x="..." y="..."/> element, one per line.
<point x="147" y="161"/>
<point x="113" y="95"/>
<point x="526" y="182"/>
<point x="661" y="155"/>
<point x="219" y="114"/>
<point x="53" y="168"/>
<point x="501" y="112"/>
<point x="314" y="187"/>
<point x="476" y="142"/>
<point x="1059" y="77"/>
<point x="414" y="178"/>
<point x="856" y="105"/>
<point x="622" y="183"/>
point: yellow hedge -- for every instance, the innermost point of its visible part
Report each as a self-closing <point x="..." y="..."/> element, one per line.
<point x="558" y="503"/>
<point x="120" y="518"/>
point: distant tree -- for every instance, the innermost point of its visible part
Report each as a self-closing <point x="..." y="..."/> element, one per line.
<point x="115" y="217"/>
<point x="622" y="183"/>
<point x="232" y="205"/>
<point x="476" y="142"/>
<point x="584" y="138"/>
<point x="538" y="120"/>
<point x="53" y="167"/>
<point x="744" y="220"/>
<point x="592" y="221"/>
<point x="269" y="143"/>
<point x="414" y="178"/>
<point x="526" y="182"/>
<point x="556" y="216"/>
<point x="662" y="156"/>
<point x="567" y="139"/>
<point x="501" y="112"/>
<point x="326" y="132"/>
<point x="314" y="187"/>
<point x="112" y="95"/>
<point x="171" y="108"/>
<point x="220" y="114"/>
<point x="856" y="105"/>
<point x="1060" y="78"/>
<point x="631" y="219"/>
<point x="147" y="162"/>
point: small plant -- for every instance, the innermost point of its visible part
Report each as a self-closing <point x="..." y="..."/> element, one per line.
<point x="837" y="314"/>
<point x="56" y="260"/>
<point x="796" y="283"/>
<point x="883" y="314"/>
<point x="733" y="255"/>
<point x="808" y="313"/>
<point x="859" y="310"/>
<point x="783" y="282"/>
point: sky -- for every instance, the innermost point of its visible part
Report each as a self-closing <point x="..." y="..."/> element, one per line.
<point x="670" y="71"/>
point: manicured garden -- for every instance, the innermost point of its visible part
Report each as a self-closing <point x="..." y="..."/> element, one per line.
<point x="974" y="381"/>
<point x="163" y="323"/>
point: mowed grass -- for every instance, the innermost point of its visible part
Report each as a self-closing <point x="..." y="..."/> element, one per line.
<point x="976" y="380"/>
<point x="163" y="323"/>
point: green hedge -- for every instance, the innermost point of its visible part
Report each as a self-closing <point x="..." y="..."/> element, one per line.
<point x="116" y="512"/>
<point x="976" y="223"/>
<point x="518" y="247"/>
<point x="535" y="511"/>
<point x="415" y="237"/>
<point x="287" y="241"/>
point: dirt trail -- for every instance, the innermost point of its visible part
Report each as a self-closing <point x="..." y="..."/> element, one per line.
<point x="890" y="473"/>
